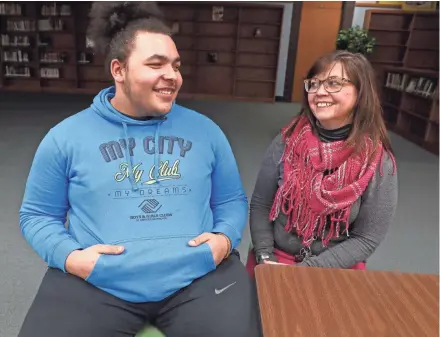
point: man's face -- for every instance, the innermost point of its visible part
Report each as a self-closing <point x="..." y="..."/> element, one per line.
<point x="152" y="78"/>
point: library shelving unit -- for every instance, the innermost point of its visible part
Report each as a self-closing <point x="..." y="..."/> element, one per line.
<point x="42" y="49"/>
<point x="228" y="50"/>
<point x="406" y="59"/>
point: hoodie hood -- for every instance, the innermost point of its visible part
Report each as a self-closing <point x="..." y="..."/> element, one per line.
<point x="102" y="106"/>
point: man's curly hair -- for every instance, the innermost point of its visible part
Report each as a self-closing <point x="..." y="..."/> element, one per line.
<point x="113" y="26"/>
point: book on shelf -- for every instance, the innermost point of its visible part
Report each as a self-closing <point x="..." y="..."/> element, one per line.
<point x="14" y="71"/>
<point x="55" y="10"/>
<point x="48" y="25"/>
<point x="52" y="57"/>
<point x="20" y="25"/>
<point x="15" y="41"/>
<point x="396" y="81"/>
<point x="15" y="56"/>
<point x="50" y="73"/>
<point x="418" y="85"/>
<point x="10" y="9"/>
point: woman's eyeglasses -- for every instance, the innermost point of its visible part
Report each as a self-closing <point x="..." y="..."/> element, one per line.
<point x="331" y="85"/>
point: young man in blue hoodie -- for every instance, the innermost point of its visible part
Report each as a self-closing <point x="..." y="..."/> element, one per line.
<point x="154" y="201"/>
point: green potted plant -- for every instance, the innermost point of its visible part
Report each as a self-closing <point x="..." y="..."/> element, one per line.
<point x="355" y="40"/>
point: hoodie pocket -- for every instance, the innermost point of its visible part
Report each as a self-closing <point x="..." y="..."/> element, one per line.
<point x="95" y="268"/>
<point x="151" y="269"/>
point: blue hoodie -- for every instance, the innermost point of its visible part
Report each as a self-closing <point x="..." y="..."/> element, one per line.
<point x="150" y="186"/>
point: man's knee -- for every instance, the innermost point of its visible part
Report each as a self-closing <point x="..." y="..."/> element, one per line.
<point x="58" y="310"/>
<point x="237" y="323"/>
<point x="235" y="303"/>
<point x="221" y="304"/>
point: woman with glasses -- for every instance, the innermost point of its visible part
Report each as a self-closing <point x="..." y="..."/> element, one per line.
<point x="326" y="192"/>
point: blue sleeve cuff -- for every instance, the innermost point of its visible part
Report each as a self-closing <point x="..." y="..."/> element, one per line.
<point x="61" y="252"/>
<point x="230" y="232"/>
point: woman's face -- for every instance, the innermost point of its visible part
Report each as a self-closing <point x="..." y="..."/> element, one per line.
<point x="332" y="109"/>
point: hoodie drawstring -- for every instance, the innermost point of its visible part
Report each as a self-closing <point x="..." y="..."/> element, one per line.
<point x="156" y="153"/>
<point x="129" y="158"/>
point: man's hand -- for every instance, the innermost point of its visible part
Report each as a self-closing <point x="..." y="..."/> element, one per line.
<point x="81" y="262"/>
<point x="219" y="245"/>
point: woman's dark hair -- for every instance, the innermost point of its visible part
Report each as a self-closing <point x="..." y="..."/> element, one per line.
<point x="367" y="112"/>
<point x="114" y="24"/>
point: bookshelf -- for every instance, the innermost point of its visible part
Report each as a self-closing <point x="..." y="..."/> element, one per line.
<point x="410" y="105"/>
<point x="406" y="60"/>
<point x="228" y="50"/>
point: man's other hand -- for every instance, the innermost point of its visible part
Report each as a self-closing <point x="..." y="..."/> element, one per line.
<point x="219" y="245"/>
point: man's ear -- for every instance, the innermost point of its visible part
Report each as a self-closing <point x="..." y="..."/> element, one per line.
<point x="117" y="69"/>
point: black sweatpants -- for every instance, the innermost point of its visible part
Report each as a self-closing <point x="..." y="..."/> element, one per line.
<point x="223" y="303"/>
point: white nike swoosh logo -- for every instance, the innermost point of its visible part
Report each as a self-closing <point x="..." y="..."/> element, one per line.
<point x="219" y="291"/>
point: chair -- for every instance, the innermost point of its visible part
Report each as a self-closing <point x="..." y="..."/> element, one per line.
<point x="150" y="332"/>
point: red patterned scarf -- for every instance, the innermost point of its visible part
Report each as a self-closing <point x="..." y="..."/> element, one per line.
<point x="321" y="183"/>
